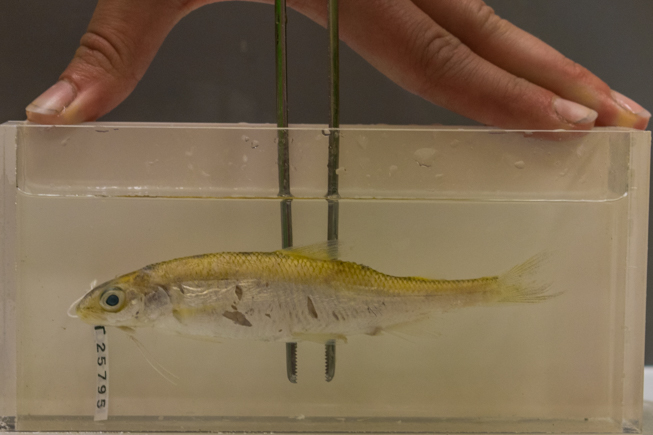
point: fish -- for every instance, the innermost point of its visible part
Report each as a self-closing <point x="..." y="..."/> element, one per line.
<point x="289" y="295"/>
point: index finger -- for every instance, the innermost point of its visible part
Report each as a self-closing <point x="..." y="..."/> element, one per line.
<point x="522" y="54"/>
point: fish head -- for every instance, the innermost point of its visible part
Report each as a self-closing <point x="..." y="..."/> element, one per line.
<point x="124" y="301"/>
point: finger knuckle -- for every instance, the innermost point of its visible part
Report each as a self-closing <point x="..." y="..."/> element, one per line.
<point x="511" y="99"/>
<point x="439" y="56"/>
<point x="106" y="53"/>
<point x="515" y="90"/>
<point x="489" y="21"/>
<point x="574" y="72"/>
<point x="577" y="72"/>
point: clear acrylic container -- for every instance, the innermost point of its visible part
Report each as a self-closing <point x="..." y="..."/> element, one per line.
<point x="90" y="202"/>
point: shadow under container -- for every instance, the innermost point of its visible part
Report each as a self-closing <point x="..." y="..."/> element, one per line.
<point x="91" y="202"/>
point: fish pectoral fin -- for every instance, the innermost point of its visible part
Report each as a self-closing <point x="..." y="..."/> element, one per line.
<point x="317" y="251"/>
<point x="127" y="329"/>
<point x="319" y="338"/>
<point x="178" y="314"/>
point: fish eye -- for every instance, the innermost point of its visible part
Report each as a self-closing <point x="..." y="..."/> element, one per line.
<point x="112" y="299"/>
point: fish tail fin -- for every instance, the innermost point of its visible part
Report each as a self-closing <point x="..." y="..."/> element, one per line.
<point x="524" y="284"/>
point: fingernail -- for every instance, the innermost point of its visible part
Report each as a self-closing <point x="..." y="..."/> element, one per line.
<point x="630" y="105"/>
<point x="574" y="113"/>
<point x="53" y="101"/>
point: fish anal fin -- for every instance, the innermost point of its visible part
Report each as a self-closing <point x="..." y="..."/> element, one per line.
<point x="375" y="332"/>
<point x="179" y="315"/>
<point x="199" y="337"/>
<point x="318" y="251"/>
<point x="415" y="329"/>
<point x="319" y="338"/>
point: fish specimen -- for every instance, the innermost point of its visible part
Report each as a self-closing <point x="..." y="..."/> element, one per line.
<point x="290" y="295"/>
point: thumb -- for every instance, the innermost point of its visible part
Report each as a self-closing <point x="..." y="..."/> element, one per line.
<point x="114" y="53"/>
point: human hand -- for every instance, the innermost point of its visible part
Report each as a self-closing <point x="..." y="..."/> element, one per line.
<point x="454" y="53"/>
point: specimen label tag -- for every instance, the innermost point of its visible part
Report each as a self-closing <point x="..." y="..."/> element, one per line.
<point x="102" y="396"/>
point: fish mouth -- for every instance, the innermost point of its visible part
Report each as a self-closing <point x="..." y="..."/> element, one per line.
<point x="72" y="311"/>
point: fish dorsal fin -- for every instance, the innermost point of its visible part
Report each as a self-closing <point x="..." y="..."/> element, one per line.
<point x="317" y="251"/>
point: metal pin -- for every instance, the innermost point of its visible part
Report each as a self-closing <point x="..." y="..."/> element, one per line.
<point x="291" y="362"/>
<point x="334" y="152"/>
<point x="284" y="154"/>
<point x="330" y="358"/>
<point x="334" y="114"/>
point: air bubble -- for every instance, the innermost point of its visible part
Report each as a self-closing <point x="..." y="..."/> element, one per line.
<point x="425" y="157"/>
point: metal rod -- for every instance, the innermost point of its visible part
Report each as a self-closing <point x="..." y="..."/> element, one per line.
<point x="334" y="154"/>
<point x="330" y="357"/>
<point x="280" y="20"/>
<point x="334" y="103"/>
<point x="291" y="362"/>
<point x="282" y="100"/>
